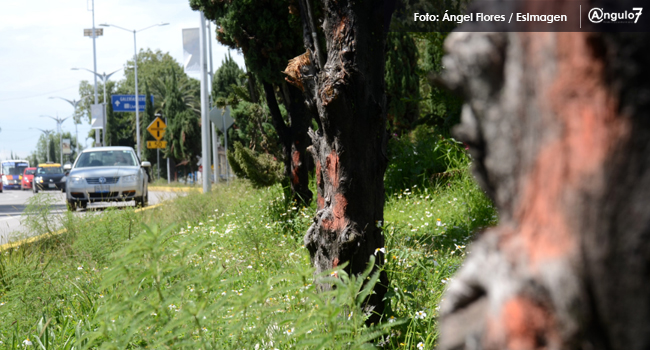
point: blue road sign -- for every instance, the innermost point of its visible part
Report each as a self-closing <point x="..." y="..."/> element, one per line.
<point x="126" y="103"/>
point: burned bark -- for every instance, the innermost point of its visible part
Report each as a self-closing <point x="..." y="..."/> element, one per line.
<point x="559" y="129"/>
<point x="294" y="139"/>
<point x="349" y="147"/>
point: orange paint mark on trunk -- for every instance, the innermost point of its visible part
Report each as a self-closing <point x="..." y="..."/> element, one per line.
<point x="337" y="220"/>
<point x="583" y="127"/>
<point x="339" y="208"/>
<point x="522" y="325"/>
<point x="332" y="168"/>
<point x="295" y="167"/>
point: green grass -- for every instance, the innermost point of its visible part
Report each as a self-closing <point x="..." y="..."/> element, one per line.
<point x="227" y="270"/>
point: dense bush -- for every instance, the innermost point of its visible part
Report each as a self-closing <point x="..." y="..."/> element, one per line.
<point x="260" y="168"/>
<point x="423" y="158"/>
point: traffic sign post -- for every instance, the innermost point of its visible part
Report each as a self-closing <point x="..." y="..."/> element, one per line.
<point x="126" y="103"/>
<point x="156" y="144"/>
<point x="157" y="128"/>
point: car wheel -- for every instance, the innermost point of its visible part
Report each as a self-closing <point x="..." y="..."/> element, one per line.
<point x="72" y="205"/>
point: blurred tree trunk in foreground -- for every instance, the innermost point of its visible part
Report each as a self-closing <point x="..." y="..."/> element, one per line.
<point x="559" y="129"/>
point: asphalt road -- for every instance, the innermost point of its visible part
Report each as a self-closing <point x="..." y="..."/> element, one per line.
<point x="14" y="202"/>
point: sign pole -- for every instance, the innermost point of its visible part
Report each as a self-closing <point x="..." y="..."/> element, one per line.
<point x="205" y="121"/>
<point x="158" y="161"/>
<point x="97" y="143"/>
<point x="215" y="153"/>
<point x="169" y="176"/>
<point x="225" y="138"/>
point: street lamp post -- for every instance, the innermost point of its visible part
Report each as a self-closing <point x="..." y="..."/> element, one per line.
<point x="75" y="104"/>
<point x="47" y="133"/>
<point x="95" y="63"/>
<point x="104" y="77"/>
<point x="59" y="121"/>
<point x="135" y="64"/>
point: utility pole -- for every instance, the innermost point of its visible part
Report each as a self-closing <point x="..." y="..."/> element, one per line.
<point x="97" y="143"/>
<point x="205" y="121"/>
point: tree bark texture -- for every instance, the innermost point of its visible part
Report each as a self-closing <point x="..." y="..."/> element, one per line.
<point x="294" y="138"/>
<point x="559" y="130"/>
<point x="349" y="147"/>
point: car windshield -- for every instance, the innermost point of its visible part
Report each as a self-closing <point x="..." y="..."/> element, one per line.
<point x="49" y="170"/>
<point x="30" y="172"/>
<point x="105" y="158"/>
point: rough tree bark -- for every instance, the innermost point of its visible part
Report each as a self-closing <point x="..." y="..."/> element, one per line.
<point x="294" y="139"/>
<point x="345" y="88"/>
<point x="559" y="129"/>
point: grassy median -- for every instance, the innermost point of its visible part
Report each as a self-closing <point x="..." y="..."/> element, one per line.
<point x="228" y="270"/>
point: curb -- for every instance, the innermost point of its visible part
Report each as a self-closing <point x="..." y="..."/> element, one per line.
<point x="39" y="237"/>
<point x="174" y="189"/>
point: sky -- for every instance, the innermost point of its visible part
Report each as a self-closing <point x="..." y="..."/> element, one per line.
<point x="41" y="40"/>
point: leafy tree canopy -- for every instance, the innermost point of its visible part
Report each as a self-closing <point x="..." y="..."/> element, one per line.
<point x="269" y="33"/>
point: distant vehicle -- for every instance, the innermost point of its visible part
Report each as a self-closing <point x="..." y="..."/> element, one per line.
<point x="107" y="174"/>
<point x="12" y="172"/>
<point x="49" y="176"/>
<point x="28" y="178"/>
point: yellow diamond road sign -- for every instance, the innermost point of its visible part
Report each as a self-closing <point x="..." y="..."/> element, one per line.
<point x="157" y="129"/>
<point x="156" y="144"/>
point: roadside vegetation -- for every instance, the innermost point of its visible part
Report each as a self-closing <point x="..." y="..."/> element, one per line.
<point x="228" y="270"/>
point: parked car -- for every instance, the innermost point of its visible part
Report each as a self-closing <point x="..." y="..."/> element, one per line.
<point x="107" y="174"/>
<point x="48" y="176"/>
<point x="28" y="178"/>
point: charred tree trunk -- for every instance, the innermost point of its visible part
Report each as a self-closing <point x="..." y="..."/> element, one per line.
<point x="559" y="129"/>
<point x="349" y="147"/>
<point x="294" y="139"/>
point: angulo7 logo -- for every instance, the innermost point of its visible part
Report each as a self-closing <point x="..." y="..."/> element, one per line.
<point x="597" y="15"/>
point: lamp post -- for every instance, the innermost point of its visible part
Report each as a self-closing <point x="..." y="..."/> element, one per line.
<point x="47" y="133"/>
<point x="135" y="65"/>
<point x="104" y="77"/>
<point x="59" y="121"/>
<point x="94" y="34"/>
<point x="75" y="104"/>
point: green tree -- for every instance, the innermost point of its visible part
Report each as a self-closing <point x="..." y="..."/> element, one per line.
<point x="153" y="67"/>
<point x="183" y="129"/>
<point x="269" y="36"/>
<point x="402" y="82"/>
<point x="50" y="146"/>
<point x="52" y="151"/>
<point x="227" y="75"/>
<point x="440" y="107"/>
